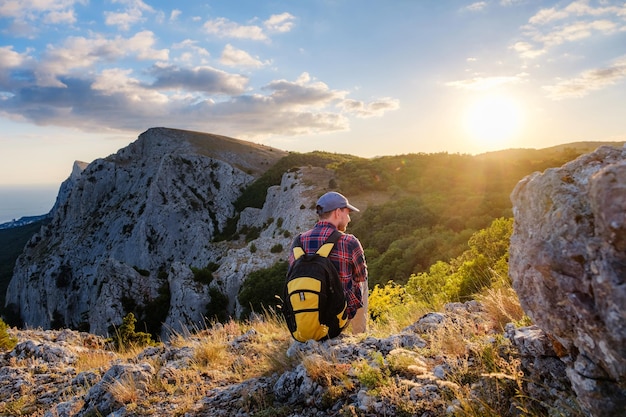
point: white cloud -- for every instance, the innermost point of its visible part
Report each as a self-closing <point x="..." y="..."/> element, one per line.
<point x="527" y="50"/>
<point x="579" y="20"/>
<point x="195" y="53"/>
<point x="476" y="7"/>
<point x="60" y="17"/>
<point x="117" y="81"/>
<point x="132" y="14"/>
<point x="33" y="9"/>
<point x="280" y="23"/>
<point x="364" y="110"/>
<point x="80" y="53"/>
<point x="27" y="15"/>
<point x="174" y="15"/>
<point x="142" y="44"/>
<point x="123" y="20"/>
<point x="225" y="28"/>
<point x="588" y="81"/>
<point x="303" y="91"/>
<point x="574" y="32"/>
<point x="234" y="57"/>
<point x="10" y="58"/>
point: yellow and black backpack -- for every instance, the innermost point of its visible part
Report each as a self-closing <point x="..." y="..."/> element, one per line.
<point x="314" y="301"/>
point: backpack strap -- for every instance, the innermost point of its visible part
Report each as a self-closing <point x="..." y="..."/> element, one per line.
<point x="297" y="248"/>
<point x="325" y="249"/>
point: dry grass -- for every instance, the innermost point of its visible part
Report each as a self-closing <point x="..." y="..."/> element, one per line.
<point x="502" y="306"/>
<point x="94" y="359"/>
<point x="326" y="372"/>
<point x="125" y="389"/>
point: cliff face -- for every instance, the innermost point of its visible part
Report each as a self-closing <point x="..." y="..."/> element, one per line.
<point x="568" y="266"/>
<point x="128" y="229"/>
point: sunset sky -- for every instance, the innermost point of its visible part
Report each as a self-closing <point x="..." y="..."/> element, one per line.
<point x="81" y="79"/>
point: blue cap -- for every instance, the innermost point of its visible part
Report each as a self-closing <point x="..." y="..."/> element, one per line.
<point x="332" y="200"/>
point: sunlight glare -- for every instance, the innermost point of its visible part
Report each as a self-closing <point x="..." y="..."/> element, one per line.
<point x="493" y="121"/>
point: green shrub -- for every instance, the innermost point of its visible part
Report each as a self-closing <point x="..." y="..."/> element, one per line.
<point x="126" y="338"/>
<point x="277" y="248"/>
<point x="7" y="342"/>
<point x="258" y="291"/>
<point x="205" y="275"/>
<point x="217" y="308"/>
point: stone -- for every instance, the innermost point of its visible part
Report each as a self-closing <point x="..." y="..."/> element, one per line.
<point x="568" y="266"/>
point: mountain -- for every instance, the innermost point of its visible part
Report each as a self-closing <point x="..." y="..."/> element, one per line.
<point x="172" y="225"/>
<point x="128" y="231"/>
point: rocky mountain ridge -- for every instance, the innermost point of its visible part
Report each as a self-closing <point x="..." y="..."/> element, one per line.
<point x="127" y="230"/>
<point x="568" y="266"/>
<point x="434" y="367"/>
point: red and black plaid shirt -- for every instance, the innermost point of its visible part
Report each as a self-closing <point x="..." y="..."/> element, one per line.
<point x="347" y="256"/>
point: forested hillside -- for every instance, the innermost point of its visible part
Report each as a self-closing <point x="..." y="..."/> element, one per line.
<point x="423" y="208"/>
<point x="418" y="209"/>
<point x="439" y="223"/>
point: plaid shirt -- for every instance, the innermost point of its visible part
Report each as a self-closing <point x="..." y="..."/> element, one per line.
<point x="347" y="256"/>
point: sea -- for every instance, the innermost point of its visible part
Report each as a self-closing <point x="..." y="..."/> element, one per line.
<point x="17" y="201"/>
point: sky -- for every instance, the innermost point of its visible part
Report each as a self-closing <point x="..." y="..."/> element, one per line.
<point x="81" y="79"/>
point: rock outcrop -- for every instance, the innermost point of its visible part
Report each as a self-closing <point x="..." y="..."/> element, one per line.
<point x="128" y="230"/>
<point x="409" y="373"/>
<point x="568" y="266"/>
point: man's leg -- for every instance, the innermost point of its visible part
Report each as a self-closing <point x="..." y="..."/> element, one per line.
<point x="359" y="321"/>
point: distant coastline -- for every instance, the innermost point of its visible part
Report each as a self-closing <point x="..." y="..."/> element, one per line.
<point x="17" y="201"/>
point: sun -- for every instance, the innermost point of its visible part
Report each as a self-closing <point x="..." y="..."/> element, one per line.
<point x="493" y="121"/>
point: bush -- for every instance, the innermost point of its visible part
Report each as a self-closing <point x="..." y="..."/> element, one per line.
<point x="277" y="248"/>
<point x="217" y="308"/>
<point x="7" y="342"/>
<point x="259" y="289"/>
<point x="127" y="338"/>
<point x="204" y="275"/>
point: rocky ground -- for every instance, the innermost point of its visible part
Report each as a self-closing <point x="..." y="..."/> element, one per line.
<point x="450" y="363"/>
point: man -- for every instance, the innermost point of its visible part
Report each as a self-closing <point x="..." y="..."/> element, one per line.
<point x="333" y="210"/>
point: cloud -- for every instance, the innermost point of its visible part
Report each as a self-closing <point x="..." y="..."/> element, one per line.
<point x="200" y="79"/>
<point x="195" y="53"/>
<point x="476" y="7"/>
<point x="78" y="53"/>
<point x="574" y="31"/>
<point x="364" y="110"/>
<point x="280" y="23"/>
<point x="60" y="17"/>
<point x="9" y="58"/>
<point x="588" y="81"/>
<point x="174" y="15"/>
<point x="234" y="57"/>
<point x="12" y="66"/>
<point x="511" y="2"/>
<point x="131" y="14"/>
<point x="224" y="28"/>
<point x="200" y="98"/>
<point x="27" y="15"/>
<point x="302" y="92"/>
<point x="486" y="83"/>
<point x="578" y="20"/>
<point x="527" y="50"/>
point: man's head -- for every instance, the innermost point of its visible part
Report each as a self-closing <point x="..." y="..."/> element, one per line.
<point x="335" y="208"/>
<point x="332" y="200"/>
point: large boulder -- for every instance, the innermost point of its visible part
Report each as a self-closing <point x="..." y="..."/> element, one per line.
<point x="568" y="266"/>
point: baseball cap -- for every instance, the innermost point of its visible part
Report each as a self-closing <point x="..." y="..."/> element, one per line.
<point x="332" y="200"/>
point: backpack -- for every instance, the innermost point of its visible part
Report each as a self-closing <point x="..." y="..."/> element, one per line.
<point x="314" y="301"/>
